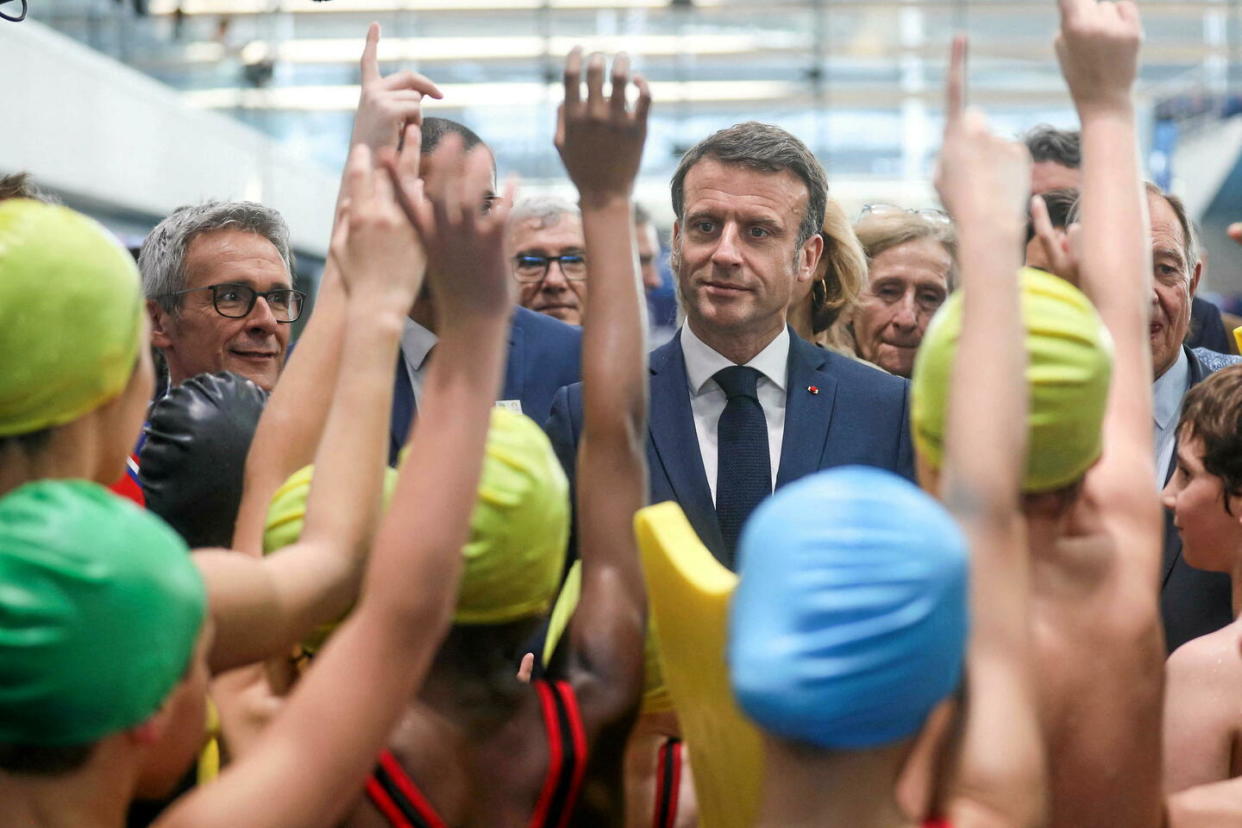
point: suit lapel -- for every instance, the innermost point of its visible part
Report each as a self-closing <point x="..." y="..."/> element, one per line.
<point x="677" y="444"/>
<point x="807" y="412"/>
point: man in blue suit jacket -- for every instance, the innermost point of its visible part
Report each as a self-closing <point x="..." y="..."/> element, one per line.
<point x="750" y="202"/>
<point x="544" y="354"/>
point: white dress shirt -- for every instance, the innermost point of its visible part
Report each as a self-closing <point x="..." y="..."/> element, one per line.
<point x="416" y="344"/>
<point x="707" y="398"/>
<point x="1167" y="395"/>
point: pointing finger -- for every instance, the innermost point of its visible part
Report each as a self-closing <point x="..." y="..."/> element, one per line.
<point x="370" y="55"/>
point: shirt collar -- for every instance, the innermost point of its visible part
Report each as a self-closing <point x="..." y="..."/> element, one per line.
<point x="702" y="362"/>
<point x="416" y="343"/>
<point x="1168" y="390"/>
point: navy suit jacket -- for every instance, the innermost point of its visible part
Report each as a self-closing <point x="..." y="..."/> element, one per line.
<point x="858" y="416"/>
<point x="544" y="355"/>
<point x="1193" y="602"/>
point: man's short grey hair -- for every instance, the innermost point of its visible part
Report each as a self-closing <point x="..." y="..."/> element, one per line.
<point x="766" y="148"/>
<point x="162" y="259"/>
<point x="543" y="210"/>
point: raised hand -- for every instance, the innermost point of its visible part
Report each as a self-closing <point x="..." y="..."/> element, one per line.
<point x="600" y="139"/>
<point x="387" y="104"/>
<point x="1058" y="251"/>
<point x="1098" y="48"/>
<point x="979" y="176"/>
<point x="374" y="245"/>
<point x="465" y="245"/>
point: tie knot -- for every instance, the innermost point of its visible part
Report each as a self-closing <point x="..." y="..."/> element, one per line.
<point x="738" y="381"/>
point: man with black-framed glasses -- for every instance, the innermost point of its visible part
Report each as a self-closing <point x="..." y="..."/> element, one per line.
<point x="548" y="256"/>
<point x="219" y="289"/>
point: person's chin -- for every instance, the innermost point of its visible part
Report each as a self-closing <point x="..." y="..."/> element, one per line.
<point x="895" y="360"/>
<point x="262" y="371"/>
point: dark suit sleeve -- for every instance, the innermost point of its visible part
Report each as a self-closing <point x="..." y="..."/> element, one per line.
<point x="562" y="428"/>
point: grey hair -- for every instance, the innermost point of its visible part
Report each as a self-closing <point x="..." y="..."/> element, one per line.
<point x="162" y="259"/>
<point x="880" y="232"/>
<point x="545" y="210"/>
<point x="765" y="148"/>
<point x="1190" y="238"/>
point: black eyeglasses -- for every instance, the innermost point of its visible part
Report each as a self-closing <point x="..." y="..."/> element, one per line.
<point x="237" y="301"/>
<point x="529" y="268"/>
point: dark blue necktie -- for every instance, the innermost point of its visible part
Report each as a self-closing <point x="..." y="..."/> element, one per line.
<point x="743" y="469"/>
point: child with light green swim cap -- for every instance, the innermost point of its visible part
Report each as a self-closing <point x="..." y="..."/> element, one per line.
<point x="1069" y="355"/>
<point x="70" y="316"/>
<point x="518" y="531"/>
<point x="101" y="608"/>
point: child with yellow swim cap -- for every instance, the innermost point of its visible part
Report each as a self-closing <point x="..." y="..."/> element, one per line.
<point x="107" y="625"/>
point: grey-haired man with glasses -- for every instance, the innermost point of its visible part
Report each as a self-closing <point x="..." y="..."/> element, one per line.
<point x="548" y="254"/>
<point x="219" y="287"/>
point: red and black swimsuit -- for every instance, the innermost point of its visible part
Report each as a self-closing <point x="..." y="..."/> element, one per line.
<point x="668" y="783"/>
<point x="399" y="800"/>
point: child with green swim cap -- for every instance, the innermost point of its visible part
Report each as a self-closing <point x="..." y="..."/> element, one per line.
<point x="89" y="575"/>
<point x="1092" y="520"/>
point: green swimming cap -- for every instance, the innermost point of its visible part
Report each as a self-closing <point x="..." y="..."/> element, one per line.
<point x="518" y="532"/>
<point x="100" y="611"/>
<point x="1069" y="355"/>
<point x="70" y="316"/>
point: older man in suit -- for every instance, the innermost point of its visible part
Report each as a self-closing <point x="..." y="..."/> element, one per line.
<point x="739" y="403"/>
<point x="544" y="354"/>
<point x="1192" y="602"/>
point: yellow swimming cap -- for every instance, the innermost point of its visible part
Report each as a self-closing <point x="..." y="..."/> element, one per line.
<point x="70" y="316"/>
<point x="1237" y="336"/>
<point x="518" y="531"/>
<point x="520" y="526"/>
<point x="1069" y="355"/>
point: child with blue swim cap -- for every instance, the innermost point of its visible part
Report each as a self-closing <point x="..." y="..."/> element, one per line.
<point x="876" y="635"/>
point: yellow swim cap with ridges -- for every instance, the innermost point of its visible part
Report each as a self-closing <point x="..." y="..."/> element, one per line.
<point x="1069" y="365"/>
<point x="518" y="532"/>
<point x="70" y="316"/>
<point x="519" y="529"/>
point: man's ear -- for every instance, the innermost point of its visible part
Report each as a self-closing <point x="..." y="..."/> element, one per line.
<point x="160" y="323"/>
<point x="808" y="257"/>
<point x="674" y="252"/>
<point x="1194" y="276"/>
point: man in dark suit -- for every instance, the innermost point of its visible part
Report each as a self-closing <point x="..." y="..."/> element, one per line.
<point x="739" y="403"/>
<point x="544" y="354"/>
<point x="1192" y="602"/>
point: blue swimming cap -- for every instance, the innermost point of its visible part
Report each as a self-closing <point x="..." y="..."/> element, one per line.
<point x="849" y="623"/>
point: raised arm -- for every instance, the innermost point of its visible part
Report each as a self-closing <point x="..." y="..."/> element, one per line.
<point x="314" y="758"/>
<point x="600" y="139"/>
<point x="1098" y="48"/>
<point x="262" y="606"/>
<point x="294" y="418"/>
<point x="982" y="181"/>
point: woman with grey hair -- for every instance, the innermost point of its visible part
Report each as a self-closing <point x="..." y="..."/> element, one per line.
<point x="911" y="262"/>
